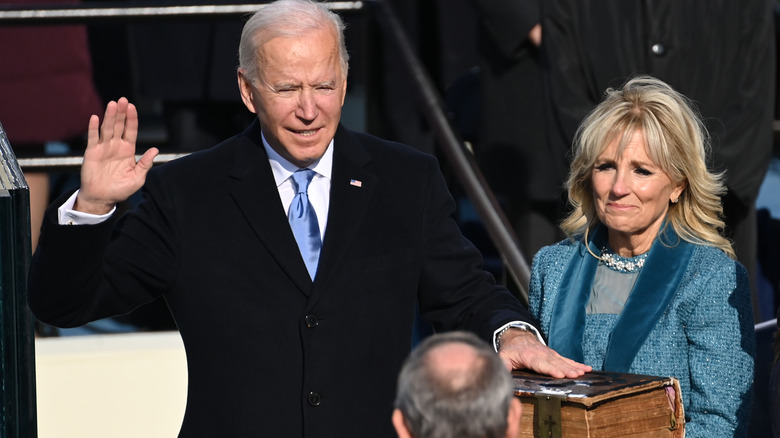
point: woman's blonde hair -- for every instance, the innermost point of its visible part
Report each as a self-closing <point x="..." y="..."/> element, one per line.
<point x="677" y="142"/>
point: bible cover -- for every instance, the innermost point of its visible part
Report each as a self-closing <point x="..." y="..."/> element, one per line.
<point x="600" y="404"/>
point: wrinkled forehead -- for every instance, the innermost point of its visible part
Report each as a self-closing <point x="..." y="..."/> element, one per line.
<point x="316" y="53"/>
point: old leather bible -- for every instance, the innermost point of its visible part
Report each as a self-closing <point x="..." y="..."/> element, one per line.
<point x="600" y="404"/>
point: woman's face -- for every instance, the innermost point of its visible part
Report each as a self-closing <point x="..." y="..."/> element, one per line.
<point x="631" y="194"/>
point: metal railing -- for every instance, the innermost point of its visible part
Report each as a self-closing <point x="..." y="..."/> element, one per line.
<point x="70" y="13"/>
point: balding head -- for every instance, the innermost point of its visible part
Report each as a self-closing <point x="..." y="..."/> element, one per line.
<point x="453" y="384"/>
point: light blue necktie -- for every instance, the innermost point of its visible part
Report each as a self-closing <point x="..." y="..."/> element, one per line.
<point x="303" y="221"/>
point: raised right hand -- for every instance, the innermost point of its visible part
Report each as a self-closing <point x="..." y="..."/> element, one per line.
<point x="110" y="174"/>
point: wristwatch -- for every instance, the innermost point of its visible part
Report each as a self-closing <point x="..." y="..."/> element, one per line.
<point x="497" y="340"/>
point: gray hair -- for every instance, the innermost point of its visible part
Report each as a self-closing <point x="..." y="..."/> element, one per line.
<point x="677" y="142"/>
<point x="287" y="18"/>
<point x="465" y="403"/>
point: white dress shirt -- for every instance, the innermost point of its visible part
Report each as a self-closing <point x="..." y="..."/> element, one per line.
<point x="319" y="188"/>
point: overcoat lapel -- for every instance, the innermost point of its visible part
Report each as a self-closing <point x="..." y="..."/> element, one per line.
<point x="568" y="316"/>
<point x="352" y="185"/>
<point x="253" y="188"/>
<point x="655" y="288"/>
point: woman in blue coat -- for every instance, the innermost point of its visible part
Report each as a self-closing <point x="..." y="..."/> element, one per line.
<point x="646" y="283"/>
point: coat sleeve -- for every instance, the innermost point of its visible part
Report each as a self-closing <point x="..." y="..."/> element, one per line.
<point x="455" y="291"/>
<point x="721" y="345"/>
<point x="536" y="290"/>
<point x="81" y="273"/>
<point x="570" y="85"/>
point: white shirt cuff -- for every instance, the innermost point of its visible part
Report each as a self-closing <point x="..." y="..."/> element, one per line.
<point x="516" y="324"/>
<point x="66" y="215"/>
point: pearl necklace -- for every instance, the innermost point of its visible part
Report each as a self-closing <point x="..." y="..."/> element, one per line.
<point x="622" y="264"/>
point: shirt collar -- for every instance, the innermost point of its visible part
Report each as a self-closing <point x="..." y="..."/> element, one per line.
<point x="282" y="169"/>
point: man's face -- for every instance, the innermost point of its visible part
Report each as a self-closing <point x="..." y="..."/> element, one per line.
<point x="298" y="95"/>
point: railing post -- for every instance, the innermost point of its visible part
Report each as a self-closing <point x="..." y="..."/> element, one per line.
<point x="18" y="417"/>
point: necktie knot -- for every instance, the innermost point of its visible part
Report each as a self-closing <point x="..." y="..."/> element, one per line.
<point x="301" y="180"/>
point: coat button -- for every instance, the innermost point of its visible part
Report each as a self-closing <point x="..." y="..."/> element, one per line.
<point x="658" y="49"/>
<point x="311" y="321"/>
<point x="314" y="398"/>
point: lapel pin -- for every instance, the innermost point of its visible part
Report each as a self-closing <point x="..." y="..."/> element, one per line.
<point x="356" y="183"/>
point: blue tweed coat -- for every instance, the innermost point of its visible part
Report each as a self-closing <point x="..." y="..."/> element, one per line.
<point x="694" y="322"/>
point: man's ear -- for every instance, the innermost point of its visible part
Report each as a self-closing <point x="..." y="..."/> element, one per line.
<point x="513" y="418"/>
<point x="245" y="88"/>
<point x="400" y="425"/>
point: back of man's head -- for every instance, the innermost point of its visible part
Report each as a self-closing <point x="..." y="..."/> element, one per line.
<point x="455" y="385"/>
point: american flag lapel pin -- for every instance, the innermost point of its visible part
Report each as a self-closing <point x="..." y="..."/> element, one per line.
<point x="356" y="183"/>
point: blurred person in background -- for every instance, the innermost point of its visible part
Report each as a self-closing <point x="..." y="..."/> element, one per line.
<point x="511" y="145"/>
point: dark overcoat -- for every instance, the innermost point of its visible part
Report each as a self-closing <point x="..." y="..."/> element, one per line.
<point x="269" y="352"/>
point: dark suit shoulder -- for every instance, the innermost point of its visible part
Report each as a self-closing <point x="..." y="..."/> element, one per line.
<point x="379" y="147"/>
